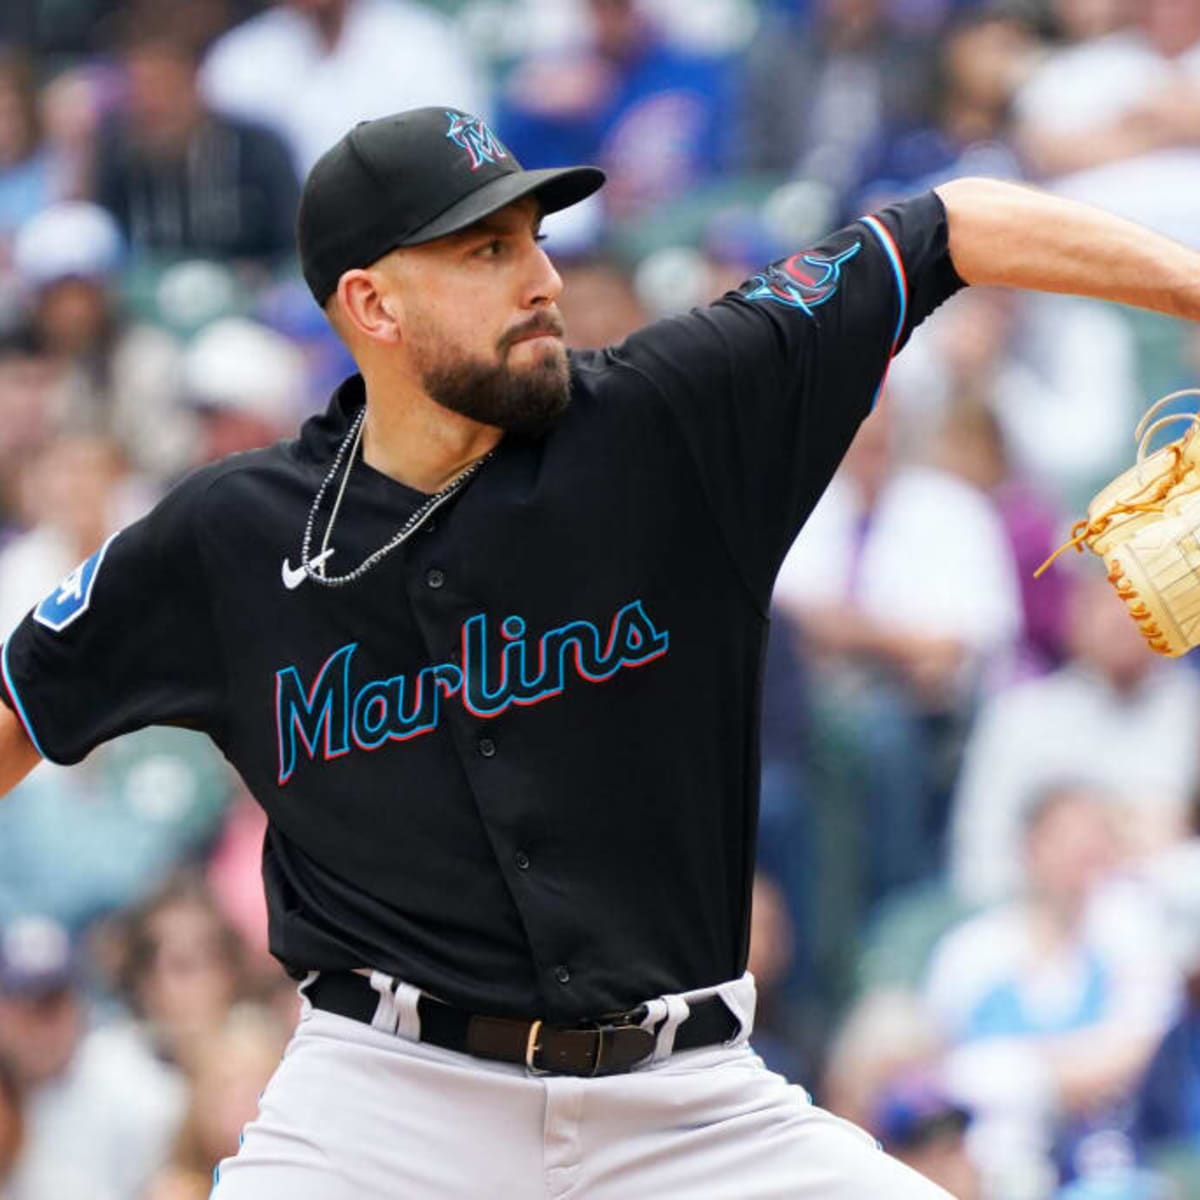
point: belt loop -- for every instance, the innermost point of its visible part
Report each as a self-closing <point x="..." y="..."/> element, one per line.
<point x="408" y="1023"/>
<point x="741" y="998"/>
<point x="386" y="1017"/>
<point x="306" y="1005"/>
<point x="677" y="1012"/>
<point x="656" y="1013"/>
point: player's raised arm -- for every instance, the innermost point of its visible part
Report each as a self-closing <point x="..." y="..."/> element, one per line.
<point x="1014" y="236"/>
<point x="17" y="753"/>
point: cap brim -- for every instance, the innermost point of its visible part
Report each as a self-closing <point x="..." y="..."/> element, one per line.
<point x="555" y="188"/>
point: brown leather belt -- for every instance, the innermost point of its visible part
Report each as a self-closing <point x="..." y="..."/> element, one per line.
<point x="609" y="1046"/>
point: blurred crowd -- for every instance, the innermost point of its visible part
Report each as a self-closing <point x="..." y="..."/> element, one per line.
<point x="976" y="926"/>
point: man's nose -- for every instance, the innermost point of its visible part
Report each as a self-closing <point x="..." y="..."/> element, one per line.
<point x="545" y="283"/>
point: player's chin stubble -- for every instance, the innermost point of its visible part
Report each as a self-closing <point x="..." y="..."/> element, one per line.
<point x="525" y="401"/>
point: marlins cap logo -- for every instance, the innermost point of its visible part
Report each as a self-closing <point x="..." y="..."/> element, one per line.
<point x="473" y="135"/>
<point x="803" y="281"/>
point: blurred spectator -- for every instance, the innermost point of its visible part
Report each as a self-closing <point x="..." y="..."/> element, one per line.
<point x="111" y="375"/>
<point x="625" y="98"/>
<point x="72" y="104"/>
<point x="78" y="843"/>
<point x="1054" y="1002"/>
<point x="1114" y="716"/>
<point x="1168" y="1103"/>
<point x="183" y="970"/>
<point x="234" y="1064"/>
<point x="972" y="446"/>
<point x="71" y="495"/>
<point x="778" y="1036"/>
<point x="902" y="662"/>
<point x="27" y="178"/>
<point x="182" y="180"/>
<point x="918" y="1123"/>
<point x="101" y="1111"/>
<point x="358" y="59"/>
<point x="66" y="27"/>
<point x="817" y="87"/>
<point x="886" y="1036"/>
<point x="12" y="1123"/>
<point x="599" y="304"/>
<point x="234" y="876"/>
<point x="247" y="384"/>
<point x="881" y="524"/>
<point x="1076" y="21"/>
<point x="26" y="386"/>
<point x="1060" y="374"/>
<point x="287" y="308"/>
<point x="981" y="60"/>
<point x="787" y="833"/>
<point x="84" y="842"/>
<point x="201" y="22"/>
<point x="1115" y="119"/>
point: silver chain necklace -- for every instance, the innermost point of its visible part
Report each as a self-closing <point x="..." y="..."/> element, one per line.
<point x="314" y="569"/>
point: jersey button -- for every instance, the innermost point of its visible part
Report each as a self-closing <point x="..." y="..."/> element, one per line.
<point x="429" y="526"/>
<point x="434" y="578"/>
<point x="487" y="747"/>
<point x="522" y="860"/>
<point x="562" y="975"/>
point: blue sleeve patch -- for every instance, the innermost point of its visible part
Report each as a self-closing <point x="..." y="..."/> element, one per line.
<point x="71" y="598"/>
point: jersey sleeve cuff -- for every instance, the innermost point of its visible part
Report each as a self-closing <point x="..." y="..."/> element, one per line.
<point x="12" y="698"/>
<point x="892" y="251"/>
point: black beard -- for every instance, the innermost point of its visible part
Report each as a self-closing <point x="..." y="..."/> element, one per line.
<point x="522" y="402"/>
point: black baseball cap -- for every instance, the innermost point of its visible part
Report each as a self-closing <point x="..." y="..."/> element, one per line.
<point x="409" y="178"/>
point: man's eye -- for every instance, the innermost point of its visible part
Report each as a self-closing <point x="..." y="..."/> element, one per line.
<point x="539" y="237"/>
<point x="491" y="249"/>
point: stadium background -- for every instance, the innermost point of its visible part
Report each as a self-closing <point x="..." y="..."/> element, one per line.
<point x="977" y="920"/>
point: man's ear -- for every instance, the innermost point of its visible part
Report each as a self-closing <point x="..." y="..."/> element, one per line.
<point x="367" y="307"/>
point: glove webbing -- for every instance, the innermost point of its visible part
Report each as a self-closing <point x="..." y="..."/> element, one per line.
<point x="1082" y="532"/>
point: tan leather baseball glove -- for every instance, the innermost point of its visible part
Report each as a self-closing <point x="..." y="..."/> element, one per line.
<point x="1145" y="525"/>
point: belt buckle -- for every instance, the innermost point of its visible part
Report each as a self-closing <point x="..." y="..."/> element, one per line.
<point x="532" y="1048"/>
<point x="604" y="1032"/>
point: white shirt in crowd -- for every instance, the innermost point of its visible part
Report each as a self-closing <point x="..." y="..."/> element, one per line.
<point x="1122" y="934"/>
<point x="935" y="559"/>
<point x="1070" y="726"/>
<point x="101" y="1130"/>
<point x="1117" y="982"/>
<point x="1096" y="83"/>
<point x="1066" y="392"/>
<point x="275" y="70"/>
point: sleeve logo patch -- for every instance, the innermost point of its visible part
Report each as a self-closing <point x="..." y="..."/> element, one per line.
<point x="804" y="281"/>
<point x="71" y="598"/>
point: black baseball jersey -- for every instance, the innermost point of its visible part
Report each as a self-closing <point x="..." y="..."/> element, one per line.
<point x="516" y="763"/>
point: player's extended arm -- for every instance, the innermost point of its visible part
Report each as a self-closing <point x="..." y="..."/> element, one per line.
<point x="1010" y="235"/>
<point x="17" y="754"/>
